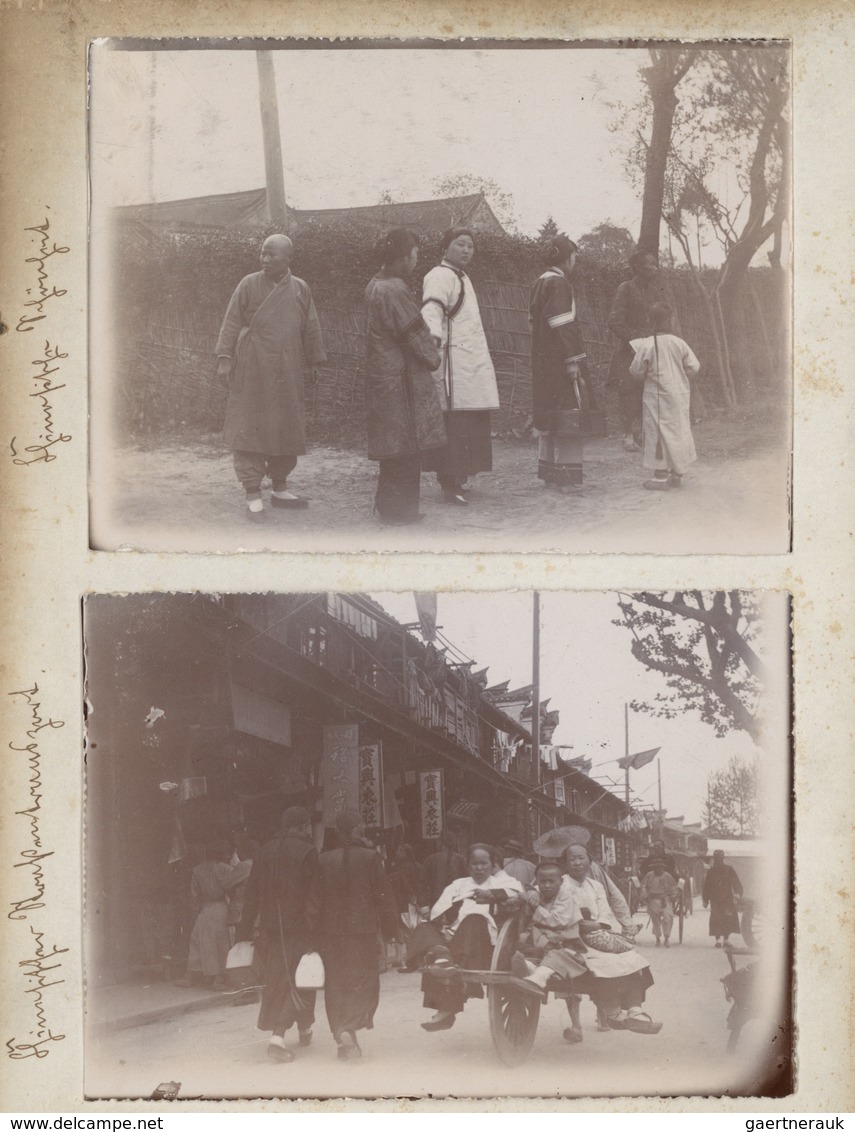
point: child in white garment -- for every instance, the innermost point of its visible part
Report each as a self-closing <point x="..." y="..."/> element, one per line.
<point x="665" y="363"/>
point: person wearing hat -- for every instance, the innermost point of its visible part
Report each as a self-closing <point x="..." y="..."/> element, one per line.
<point x="516" y="864"/>
<point x="349" y="913"/>
<point x="559" y="366"/>
<point x="466" y="380"/>
<point x="659" y="888"/>
<point x="721" y="887"/>
<point x="276" y="897"/>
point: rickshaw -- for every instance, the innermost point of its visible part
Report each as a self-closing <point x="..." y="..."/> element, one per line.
<point x="512" y="1005"/>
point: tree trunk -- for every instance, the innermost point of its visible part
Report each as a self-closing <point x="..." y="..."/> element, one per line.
<point x="664" y="106"/>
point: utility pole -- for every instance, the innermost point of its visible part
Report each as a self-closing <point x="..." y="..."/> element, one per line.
<point x="659" y="780"/>
<point x="273" y="172"/>
<point x="535" y="686"/>
<point x="626" y="752"/>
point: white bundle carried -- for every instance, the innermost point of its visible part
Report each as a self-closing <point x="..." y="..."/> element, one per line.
<point x="239" y="965"/>
<point x="310" y="972"/>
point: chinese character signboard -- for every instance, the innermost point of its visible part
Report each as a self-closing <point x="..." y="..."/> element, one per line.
<point x="609" y="857"/>
<point x="430" y="796"/>
<point x="558" y="790"/>
<point x="371" y="785"/>
<point x="340" y="770"/>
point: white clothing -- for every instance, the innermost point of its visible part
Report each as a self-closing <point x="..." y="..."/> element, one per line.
<point x="665" y="363"/>
<point x="465" y="378"/>
<point x="590" y="894"/>
<point x="463" y="889"/>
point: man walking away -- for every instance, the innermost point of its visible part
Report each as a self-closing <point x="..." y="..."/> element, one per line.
<point x="270" y="335"/>
<point x="277" y="894"/>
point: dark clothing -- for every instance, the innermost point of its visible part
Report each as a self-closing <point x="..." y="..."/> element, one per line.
<point x="404" y="412"/>
<point x="556" y="340"/>
<point x="629" y="318"/>
<point x="277" y="895"/>
<point x="611" y="995"/>
<point x="398" y="487"/>
<point x="352" y="982"/>
<point x="251" y="468"/>
<point x="469" y="449"/>
<point x="470" y="948"/>
<point x="272" y="334"/>
<point x="350" y="912"/>
<point x="439" y="870"/>
<point x="721" y="886"/>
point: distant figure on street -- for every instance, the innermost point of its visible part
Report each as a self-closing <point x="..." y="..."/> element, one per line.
<point x="209" y="940"/>
<point x="516" y="864"/>
<point x="721" y="888"/>
<point x="350" y="914"/>
<point x="269" y="337"/>
<point x="442" y="867"/>
<point x="466" y="380"/>
<point x="405" y="423"/>
<point x="659" y="888"/>
<point x="658" y="853"/>
<point x="277" y="896"/>
<point x="664" y="363"/>
<point x="629" y="319"/>
<point x="559" y="366"/>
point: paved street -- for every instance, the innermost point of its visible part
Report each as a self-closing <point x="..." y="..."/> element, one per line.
<point x="218" y="1052"/>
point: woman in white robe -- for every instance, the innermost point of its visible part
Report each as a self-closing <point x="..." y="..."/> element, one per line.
<point x="461" y="934"/>
<point x="665" y="363"/>
<point x="466" y="380"/>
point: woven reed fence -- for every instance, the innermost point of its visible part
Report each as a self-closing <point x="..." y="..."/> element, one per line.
<point x="166" y="365"/>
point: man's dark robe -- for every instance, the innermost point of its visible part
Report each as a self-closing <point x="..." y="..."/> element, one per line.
<point x="272" y="333"/>
<point x="277" y="895"/>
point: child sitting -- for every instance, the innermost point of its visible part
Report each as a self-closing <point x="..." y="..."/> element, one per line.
<point x="665" y="363"/>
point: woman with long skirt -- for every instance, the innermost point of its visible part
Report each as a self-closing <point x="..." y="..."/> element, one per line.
<point x="466" y="379"/>
<point x="405" y="423"/>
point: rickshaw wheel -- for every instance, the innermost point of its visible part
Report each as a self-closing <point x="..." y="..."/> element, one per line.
<point x="513" y="1013"/>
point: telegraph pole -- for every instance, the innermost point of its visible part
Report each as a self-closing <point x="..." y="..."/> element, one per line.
<point x="273" y="172"/>
<point x="535" y="689"/>
<point x="626" y="752"/>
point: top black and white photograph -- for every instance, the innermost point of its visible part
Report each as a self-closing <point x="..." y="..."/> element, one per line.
<point x="490" y="296"/>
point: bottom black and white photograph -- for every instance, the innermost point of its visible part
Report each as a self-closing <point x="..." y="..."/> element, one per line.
<point x="471" y="844"/>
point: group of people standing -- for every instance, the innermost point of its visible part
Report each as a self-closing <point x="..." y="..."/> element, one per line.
<point x="430" y="383"/>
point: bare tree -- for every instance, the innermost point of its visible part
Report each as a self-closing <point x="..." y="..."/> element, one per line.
<point x="706" y="645"/>
<point x="732" y="803"/>
<point x="669" y="65"/>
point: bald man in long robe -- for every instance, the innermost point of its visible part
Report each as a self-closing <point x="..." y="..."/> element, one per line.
<point x="269" y="338"/>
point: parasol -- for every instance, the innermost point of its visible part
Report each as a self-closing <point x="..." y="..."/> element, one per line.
<point x="554" y="843"/>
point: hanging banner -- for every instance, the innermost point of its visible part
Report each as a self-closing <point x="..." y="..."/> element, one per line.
<point x="371" y="785"/>
<point x="608" y="850"/>
<point x="426" y="609"/>
<point x="340" y="770"/>
<point x="430" y="796"/>
<point x="558" y="789"/>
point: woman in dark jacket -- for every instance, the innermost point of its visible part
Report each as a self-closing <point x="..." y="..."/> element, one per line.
<point x="405" y="422"/>
<point x="349" y="915"/>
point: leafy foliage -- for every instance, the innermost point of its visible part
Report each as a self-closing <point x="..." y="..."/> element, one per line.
<point x="732" y="808"/>
<point x="708" y="646"/>
<point x="608" y="245"/>
<point x="461" y="184"/>
<point x="548" y="229"/>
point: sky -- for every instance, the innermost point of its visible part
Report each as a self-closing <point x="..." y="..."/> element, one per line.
<point x="589" y="673"/>
<point x="356" y="123"/>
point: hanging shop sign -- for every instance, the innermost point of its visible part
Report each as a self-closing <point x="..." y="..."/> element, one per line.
<point x="430" y="796"/>
<point x="371" y="785"/>
<point x="608" y="849"/>
<point x="340" y="770"/>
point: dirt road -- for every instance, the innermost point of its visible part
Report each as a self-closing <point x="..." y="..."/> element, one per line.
<point x="183" y="496"/>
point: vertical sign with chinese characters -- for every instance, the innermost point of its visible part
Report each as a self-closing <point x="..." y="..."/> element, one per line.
<point x="430" y="795"/>
<point x="340" y="770"/>
<point x="371" y="785"/>
<point x="608" y="848"/>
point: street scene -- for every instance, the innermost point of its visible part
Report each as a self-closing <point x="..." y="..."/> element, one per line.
<point x="409" y="844"/>
<point x="381" y="329"/>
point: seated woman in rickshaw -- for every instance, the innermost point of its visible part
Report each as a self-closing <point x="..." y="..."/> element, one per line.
<point x="573" y="941"/>
<point x="461" y="934"/>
